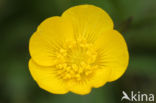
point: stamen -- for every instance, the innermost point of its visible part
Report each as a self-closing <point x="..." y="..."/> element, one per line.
<point x="77" y="64"/>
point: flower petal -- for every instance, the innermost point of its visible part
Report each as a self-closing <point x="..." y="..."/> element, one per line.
<point x="48" y="39"/>
<point x="56" y="28"/>
<point x="113" y="53"/>
<point x="100" y="77"/>
<point x="46" y="78"/>
<point x="81" y="87"/>
<point x="88" y="21"/>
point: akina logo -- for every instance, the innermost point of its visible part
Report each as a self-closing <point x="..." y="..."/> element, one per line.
<point x="138" y="96"/>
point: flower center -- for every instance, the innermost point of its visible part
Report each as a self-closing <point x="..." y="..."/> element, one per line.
<point x="76" y="60"/>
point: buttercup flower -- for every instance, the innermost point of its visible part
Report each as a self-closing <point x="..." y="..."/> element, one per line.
<point x="77" y="51"/>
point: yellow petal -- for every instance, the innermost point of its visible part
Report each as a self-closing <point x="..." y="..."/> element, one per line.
<point x="81" y="87"/>
<point x="113" y="53"/>
<point x="48" y="40"/>
<point x="88" y="21"/>
<point x="56" y="28"/>
<point x="100" y="77"/>
<point x="47" y="79"/>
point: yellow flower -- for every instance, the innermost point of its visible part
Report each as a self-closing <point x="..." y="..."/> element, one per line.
<point x="77" y="51"/>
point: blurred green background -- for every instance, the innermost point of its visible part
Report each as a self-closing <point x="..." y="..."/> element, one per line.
<point x="135" y="19"/>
